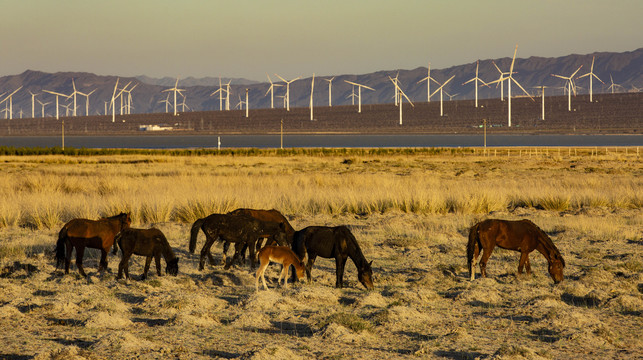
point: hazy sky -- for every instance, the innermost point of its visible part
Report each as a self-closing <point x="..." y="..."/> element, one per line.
<point x="242" y="38"/>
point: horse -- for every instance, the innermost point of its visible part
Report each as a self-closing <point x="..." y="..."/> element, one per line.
<point x="95" y="234"/>
<point x="332" y="242"/>
<point x="282" y="255"/>
<point x="149" y="243"/>
<point x="239" y="229"/>
<point x="520" y="235"/>
<point x="263" y="215"/>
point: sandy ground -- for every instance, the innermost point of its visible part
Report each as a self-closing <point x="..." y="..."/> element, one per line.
<point x="423" y="305"/>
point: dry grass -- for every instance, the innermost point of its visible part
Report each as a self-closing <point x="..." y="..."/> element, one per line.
<point x="411" y="215"/>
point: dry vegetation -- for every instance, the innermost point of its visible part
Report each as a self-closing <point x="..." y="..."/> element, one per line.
<point x="410" y="213"/>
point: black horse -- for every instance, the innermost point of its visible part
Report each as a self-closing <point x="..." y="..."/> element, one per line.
<point x="149" y="243"/>
<point x="240" y="250"/>
<point x="239" y="229"/>
<point x="332" y="242"/>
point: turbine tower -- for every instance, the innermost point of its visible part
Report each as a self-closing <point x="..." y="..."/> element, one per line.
<point x="220" y="91"/>
<point x="440" y="89"/>
<point x="175" y="89"/>
<point x="428" y="80"/>
<point x="399" y="93"/>
<point x="571" y="87"/>
<point x="359" y="93"/>
<point x="509" y="79"/>
<point x="312" y="88"/>
<point x="288" y="90"/>
<point x="591" y="75"/>
<point x="33" y="104"/>
<point x="476" y="79"/>
<point x="330" y="91"/>
<point x="271" y="90"/>
<point x="542" y="95"/>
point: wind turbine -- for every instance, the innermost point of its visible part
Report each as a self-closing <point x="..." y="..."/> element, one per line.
<point x="359" y="93"/>
<point x="500" y="81"/>
<point x="42" y="104"/>
<point x="428" y="79"/>
<point x="288" y="90"/>
<point x="167" y="101"/>
<point x="476" y="79"/>
<point x="33" y="104"/>
<point x="227" y="96"/>
<point x="175" y="89"/>
<point x="73" y="84"/>
<point x="114" y="96"/>
<point x="247" y="103"/>
<point x="571" y="87"/>
<point x="509" y="79"/>
<point x="613" y="86"/>
<point x="440" y="89"/>
<point x="220" y="91"/>
<point x="87" y="101"/>
<point x="591" y="75"/>
<point x="10" y="102"/>
<point x="312" y="88"/>
<point x="57" y="95"/>
<point x="400" y="93"/>
<point x="271" y="90"/>
<point x="451" y="96"/>
<point x="352" y="96"/>
<point x="330" y="91"/>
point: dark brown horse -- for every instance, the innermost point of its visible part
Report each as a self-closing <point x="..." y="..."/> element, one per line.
<point x="149" y="243"/>
<point x="263" y="215"/>
<point x="95" y="234"/>
<point x="238" y="229"/>
<point x="521" y="235"/>
<point x="332" y="242"/>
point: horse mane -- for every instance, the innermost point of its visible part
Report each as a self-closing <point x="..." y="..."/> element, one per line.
<point x="544" y="239"/>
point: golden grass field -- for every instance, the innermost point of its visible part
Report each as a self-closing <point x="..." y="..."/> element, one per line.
<point x="410" y="212"/>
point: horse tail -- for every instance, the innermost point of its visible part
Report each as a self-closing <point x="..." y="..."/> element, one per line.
<point x="117" y="240"/>
<point x="60" y="247"/>
<point x="194" y="233"/>
<point x="474" y="240"/>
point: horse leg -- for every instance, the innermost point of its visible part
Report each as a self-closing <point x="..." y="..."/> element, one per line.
<point x="262" y="269"/>
<point x="474" y="263"/>
<point x="309" y="266"/>
<point x="251" y="247"/>
<point x="528" y="265"/>
<point x="80" y="251"/>
<point x="68" y="256"/>
<point x="483" y="260"/>
<point x="102" y="265"/>
<point x="205" y="250"/>
<point x="524" y="257"/>
<point x="284" y="273"/>
<point x="226" y="246"/>
<point x="340" y="261"/>
<point x="121" y="266"/>
<point x="148" y="261"/>
<point x="157" y="260"/>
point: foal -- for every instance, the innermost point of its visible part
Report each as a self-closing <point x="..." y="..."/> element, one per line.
<point x="282" y="255"/>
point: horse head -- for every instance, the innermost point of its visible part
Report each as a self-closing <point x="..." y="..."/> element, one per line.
<point x="556" y="266"/>
<point x="280" y="236"/>
<point x="173" y="267"/>
<point x="126" y="220"/>
<point x="365" y="275"/>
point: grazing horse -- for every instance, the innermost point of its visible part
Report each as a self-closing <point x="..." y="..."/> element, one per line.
<point x="263" y="215"/>
<point x="282" y="255"/>
<point x="239" y="229"/>
<point x="149" y="243"/>
<point x="95" y="234"/>
<point x="521" y="235"/>
<point x="332" y="242"/>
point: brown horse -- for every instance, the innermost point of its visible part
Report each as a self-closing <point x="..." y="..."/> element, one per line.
<point x="263" y="215"/>
<point x="333" y="242"/>
<point x="95" y="234"/>
<point x="149" y="243"/>
<point x="522" y="235"/>
<point x="239" y="229"/>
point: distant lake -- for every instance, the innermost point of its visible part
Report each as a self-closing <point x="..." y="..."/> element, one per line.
<point x="318" y="141"/>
